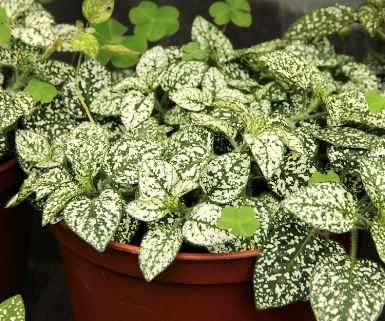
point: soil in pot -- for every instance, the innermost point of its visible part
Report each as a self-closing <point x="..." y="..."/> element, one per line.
<point x="196" y="287"/>
<point x="15" y="226"/>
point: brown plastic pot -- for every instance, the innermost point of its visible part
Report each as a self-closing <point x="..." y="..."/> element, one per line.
<point x="15" y="227"/>
<point x="196" y="287"/>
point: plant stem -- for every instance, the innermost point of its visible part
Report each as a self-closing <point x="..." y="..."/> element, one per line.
<point x="51" y="49"/>
<point x="354" y="249"/>
<point x="79" y="94"/>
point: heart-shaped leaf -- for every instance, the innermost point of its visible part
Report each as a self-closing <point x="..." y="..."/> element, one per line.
<point x="97" y="11"/>
<point x="240" y="221"/>
<point x="137" y="108"/>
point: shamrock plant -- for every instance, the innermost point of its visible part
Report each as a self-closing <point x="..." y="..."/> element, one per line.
<point x="272" y="148"/>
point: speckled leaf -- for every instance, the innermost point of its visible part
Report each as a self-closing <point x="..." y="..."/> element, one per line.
<point x="13" y="107"/>
<point x="49" y="180"/>
<point x="97" y="11"/>
<point x="372" y="172"/>
<point x="213" y="40"/>
<point x="33" y="147"/>
<point x="148" y="210"/>
<point x="152" y="66"/>
<point x="190" y="161"/>
<point x="148" y="130"/>
<point x="361" y="75"/>
<point x="283" y="271"/>
<point x="347" y="137"/>
<point x="156" y="179"/>
<point x="15" y="8"/>
<point x="184" y="74"/>
<point x="25" y="190"/>
<point x="238" y="77"/>
<point x="192" y="99"/>
<point x="232" y="99"/>
<point x="158" y="249"/>
<point x="127" y="229"/>
<point x="85" y="149"/>
<point x="52" y="71"/>
<point x="321" y="23"/>
<point x="95" y="220"/>
<point x="214" y="123"/>
<point x="137" y="108"/>
<point x="3" y="146"/>
<point x="107" y="103"/>
<point x="377" y="230"/>
<point x="327" y="206"/>
<point x="201" y="227"/>
<point x="57" y="201"/>
<point x="12" y="309"/>
<point x="268" y="150"/>
<point x="347" y="293"/>
<point x="226" y="177"/>
<point x="370" y="18"/>
<point x="291" y="69"/>
<point x="213" y="81"/>
<point x="125" y="158"/>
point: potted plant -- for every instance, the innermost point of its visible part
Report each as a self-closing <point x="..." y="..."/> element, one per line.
<point x="28" y="83"/>
<point x="206" y="183"/>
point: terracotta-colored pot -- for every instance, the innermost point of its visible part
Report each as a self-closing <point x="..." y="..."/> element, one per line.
<point x="15" y="225"/>
<point x="196" y="287"/>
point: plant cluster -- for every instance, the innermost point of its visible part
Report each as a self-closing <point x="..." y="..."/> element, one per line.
<point x="268" y="148"/>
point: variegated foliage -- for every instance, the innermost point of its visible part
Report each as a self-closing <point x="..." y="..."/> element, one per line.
<point x="188" y="151"/>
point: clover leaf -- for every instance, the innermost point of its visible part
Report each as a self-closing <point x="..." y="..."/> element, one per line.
<point x="194" y="51"/>
<point x="41" y="91"/>
<point x="96" y="11"/>
<point x="5" y="27"/>
<point x="153" y="22"/>
<point x="376" y="102"/>
<point x="240" y="221"/>
<point x="236" y="11"/>
<point x="328" y="177"/>
<point x="123" y="51"/>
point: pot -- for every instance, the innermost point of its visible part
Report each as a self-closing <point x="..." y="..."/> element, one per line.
<point x="15" y="225"/>
<point x="196" y="287"/>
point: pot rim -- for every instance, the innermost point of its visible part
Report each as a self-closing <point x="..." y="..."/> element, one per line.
<point x="5" y="166"/>
<point x="183" y="256"/>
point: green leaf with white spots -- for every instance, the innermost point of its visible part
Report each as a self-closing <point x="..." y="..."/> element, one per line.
<point x="183" y="74"/>
<point x="327" y="206"/>
<point x="214" y="123"/>
<point x="177" y="116"/>
<point x="108" y="103"/>
<point x="58" y="200"/>
<point x="291" y="69"/>
<point x="152" y="66"/>
<point x="95" y="220"/>
<point x="190" y="161"/>
<point x="283" y="271"/>
<point x="137" y="108"/>
<point x="12" y="309"/>
<point x="33" y="147"/>
<point x="41" y="92"/>
<point x="370" y="18"/>
<point x="13" y="107"/>
<point x="240" y="221"/>
<point x="24" y="192"/>
<point x="125" y="158"/>
<point x="347" y="137"/>
<point x="14" y="9"/>
<point x="361" y="75"/>
<point x="212" y="39"/>
<point x="347" y="292"/>
<point x="48" y="181"/>
<point x="201" y="227"/>
<point x="148" y="209"/>
<point x="232" y="99"/>
<point x="268" y="150"/>
<point x="328" y="177"/>
<point x="126" y="230"/>
<point x="377" y="230"/>
<point x="97" y="11"/>
<point x="158" y="249"/>
<point x="213" y="81"/>
<point x="322" y="22"/>
<point x="192" y="99"/>
<point x="226" y="177"/>
<point x="372" y="170"/>
<point x="156" y="179"/>
<point x="85" y="149"/>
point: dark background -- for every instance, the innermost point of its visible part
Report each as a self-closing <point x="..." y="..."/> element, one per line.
<point x="45" y="294"/>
